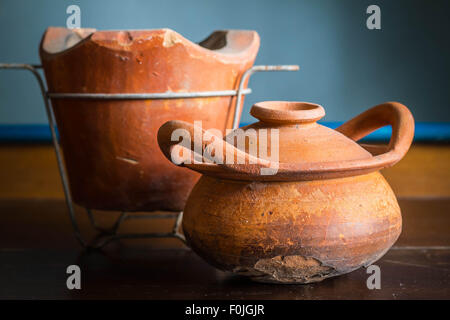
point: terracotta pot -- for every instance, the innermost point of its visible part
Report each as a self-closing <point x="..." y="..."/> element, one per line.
<point x="326" y="211"/>
<point x="109" y="146"/>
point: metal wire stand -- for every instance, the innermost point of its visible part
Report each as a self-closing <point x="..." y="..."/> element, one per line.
<point x="107" y="235"/>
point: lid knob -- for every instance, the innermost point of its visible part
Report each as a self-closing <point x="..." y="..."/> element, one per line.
<point x="287" y="112"/>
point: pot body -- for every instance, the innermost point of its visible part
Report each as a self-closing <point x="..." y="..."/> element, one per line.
<point x="292" y="232"/>
<point x="110" y="148"/>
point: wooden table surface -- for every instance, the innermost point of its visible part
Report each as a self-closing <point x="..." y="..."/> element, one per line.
<point x="37" y="245"/>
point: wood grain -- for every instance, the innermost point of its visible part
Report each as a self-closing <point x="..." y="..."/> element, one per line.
<point x="37" y="243"/>
<point x="423" y="172"/>
<point x="45" y="224"/>
<point x="30" y="171"/>
<point x="180" y="274"/>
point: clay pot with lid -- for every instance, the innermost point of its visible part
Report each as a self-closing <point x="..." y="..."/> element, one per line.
<point x="325" y="211"/>
<point x="109" y="146"/>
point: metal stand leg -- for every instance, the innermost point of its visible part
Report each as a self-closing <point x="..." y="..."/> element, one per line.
<point x="107" y="235"/>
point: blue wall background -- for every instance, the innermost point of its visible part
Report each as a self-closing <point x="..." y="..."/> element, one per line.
<point x="344" y="66"/>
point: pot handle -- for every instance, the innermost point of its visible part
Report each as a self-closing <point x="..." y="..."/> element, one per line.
<point x="394" y="114"/>
<point x="169" y="135"/>
<point x="199" y="157"/>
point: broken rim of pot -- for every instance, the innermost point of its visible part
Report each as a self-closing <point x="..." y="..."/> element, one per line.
<point x="287" y="112"/>
<point x="230" y="45"/>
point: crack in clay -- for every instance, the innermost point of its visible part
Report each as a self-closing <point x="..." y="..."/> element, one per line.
<point x="292" y="269"/>
<point x="170" y="39"/>
<point x="124" y="38"/>
<point x="128" y="160"/>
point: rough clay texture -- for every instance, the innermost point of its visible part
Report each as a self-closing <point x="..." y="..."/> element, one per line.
<point x="289" y="269"/>
<point x="110" y="146"/>
<point x="292" y="232"/>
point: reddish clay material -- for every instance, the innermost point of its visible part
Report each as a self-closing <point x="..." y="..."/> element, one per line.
<point x="326" y="212"/>
<point x="109" y="146"/>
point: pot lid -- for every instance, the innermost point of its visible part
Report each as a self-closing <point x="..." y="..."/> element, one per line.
<point x="300" y="138"/>
<point x="288" y="144"/>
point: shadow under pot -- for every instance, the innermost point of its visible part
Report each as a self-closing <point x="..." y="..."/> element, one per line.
<point x="109" y="145"/>
<point x="314" y="207"/>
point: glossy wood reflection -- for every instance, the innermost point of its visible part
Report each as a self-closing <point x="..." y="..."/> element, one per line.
<point x="37" y="245"/>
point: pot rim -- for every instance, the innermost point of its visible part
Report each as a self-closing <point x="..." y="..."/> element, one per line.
<point x="234" y="49"/>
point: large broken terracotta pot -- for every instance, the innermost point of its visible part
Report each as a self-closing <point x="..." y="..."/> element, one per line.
<point x="109" y="146"/>
<point x="319" y="209"/>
